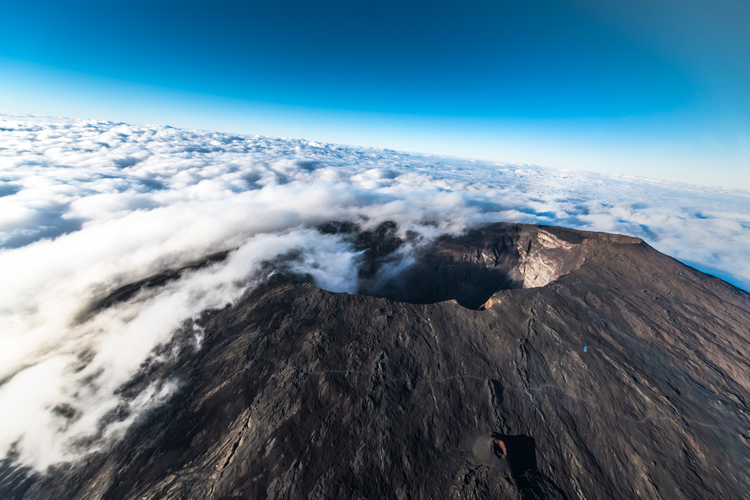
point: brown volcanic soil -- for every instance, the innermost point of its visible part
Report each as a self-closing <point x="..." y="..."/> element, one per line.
<point x="302" y="393"/>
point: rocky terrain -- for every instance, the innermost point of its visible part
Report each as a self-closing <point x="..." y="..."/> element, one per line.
<point x="519" y="362"/>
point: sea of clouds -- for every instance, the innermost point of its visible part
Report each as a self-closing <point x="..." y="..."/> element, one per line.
<point x="87" y="206"/>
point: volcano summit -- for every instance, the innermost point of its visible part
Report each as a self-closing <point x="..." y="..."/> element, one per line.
<point x="512" y="361"/>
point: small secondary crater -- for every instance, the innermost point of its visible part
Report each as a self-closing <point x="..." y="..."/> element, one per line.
<point x="520" y="451"/>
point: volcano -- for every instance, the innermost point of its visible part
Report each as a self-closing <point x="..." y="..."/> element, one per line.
<point x="511" y="361"/>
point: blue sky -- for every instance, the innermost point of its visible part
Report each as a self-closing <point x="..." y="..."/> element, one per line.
<point x="656" y="88"/>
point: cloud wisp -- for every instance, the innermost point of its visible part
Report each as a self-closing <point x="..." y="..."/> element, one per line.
<point x="89" y="206"/>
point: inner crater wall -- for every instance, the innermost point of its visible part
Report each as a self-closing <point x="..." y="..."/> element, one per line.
<point x="471" y="267"/>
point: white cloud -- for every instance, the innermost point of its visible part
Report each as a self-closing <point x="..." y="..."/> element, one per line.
<point x="86" y="206"/>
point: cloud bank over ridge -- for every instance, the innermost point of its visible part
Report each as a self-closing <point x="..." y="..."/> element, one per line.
<point x="87" y="206"/>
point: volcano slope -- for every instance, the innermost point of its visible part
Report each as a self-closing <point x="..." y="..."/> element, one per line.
<point x="604" y="369"/>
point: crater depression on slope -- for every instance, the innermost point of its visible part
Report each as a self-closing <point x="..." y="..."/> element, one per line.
<point x="468" y="268"/>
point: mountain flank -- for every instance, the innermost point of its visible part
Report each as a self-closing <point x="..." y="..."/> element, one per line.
<point x="513" y="361"/>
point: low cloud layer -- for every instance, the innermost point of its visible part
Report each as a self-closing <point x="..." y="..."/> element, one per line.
<point x="87" y="206"/>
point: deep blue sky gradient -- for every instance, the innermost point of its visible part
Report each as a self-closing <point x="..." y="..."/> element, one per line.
<point x="655" y="87"/>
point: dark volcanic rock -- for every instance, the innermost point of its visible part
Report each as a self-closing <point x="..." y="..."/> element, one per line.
<point x="302" y="393"/>
<point x="126" y="292"/>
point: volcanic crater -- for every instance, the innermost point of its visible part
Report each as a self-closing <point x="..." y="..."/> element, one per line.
<point x="468" y="268"/>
